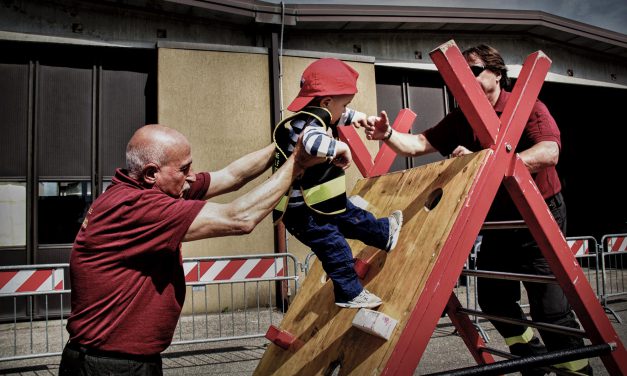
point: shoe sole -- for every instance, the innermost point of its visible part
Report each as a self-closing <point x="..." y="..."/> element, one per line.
<point x="397" y="234"/>
<point x="369" y="305"/>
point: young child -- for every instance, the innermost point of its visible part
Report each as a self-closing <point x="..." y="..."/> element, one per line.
<point x="316" y="210"/>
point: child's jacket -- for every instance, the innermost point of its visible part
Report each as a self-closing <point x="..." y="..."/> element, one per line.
<point x="322" y="187"/>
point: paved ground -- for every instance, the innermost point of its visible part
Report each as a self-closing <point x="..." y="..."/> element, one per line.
<point x="445" y="351"/>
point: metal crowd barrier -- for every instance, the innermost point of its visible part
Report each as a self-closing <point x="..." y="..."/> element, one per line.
<point x="32" y="301"/>
<point x="228" y="298"/>
<point x="231" y="298"/>
<point x="239" y="289"/>
<point x="586" y="252"/>
<point x="613" y="265"/>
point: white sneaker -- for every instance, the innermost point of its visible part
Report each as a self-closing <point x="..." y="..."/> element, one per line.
<point x="396" y="222"/>
<point x="365" y="299"/>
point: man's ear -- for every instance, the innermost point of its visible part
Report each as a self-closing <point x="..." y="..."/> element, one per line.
<point x="149" y="173"/>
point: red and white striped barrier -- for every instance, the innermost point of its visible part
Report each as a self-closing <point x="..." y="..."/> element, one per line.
<point x="33" y="280"/>
<point x="617" y="244"/>
<point x="579" y="247"/>
<point x="233" y="270"/>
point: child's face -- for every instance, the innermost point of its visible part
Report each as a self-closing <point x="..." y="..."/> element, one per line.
<point x="336" y="104"/>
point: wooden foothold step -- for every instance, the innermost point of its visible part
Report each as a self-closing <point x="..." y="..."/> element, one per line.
<point x="361" y="268"/>
<point x="280" y="337"/>
<point x="375" y="323"/>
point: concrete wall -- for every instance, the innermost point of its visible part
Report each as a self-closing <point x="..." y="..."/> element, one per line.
<point x="220" y="101"/>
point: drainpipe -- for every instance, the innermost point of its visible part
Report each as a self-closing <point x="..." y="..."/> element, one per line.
<point x="280" y="238"/>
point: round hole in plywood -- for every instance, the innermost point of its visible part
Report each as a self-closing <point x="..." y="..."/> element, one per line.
<point x="434" y="199"/>
<point x="334" y="368"/>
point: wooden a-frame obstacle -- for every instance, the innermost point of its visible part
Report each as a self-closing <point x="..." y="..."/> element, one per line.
<point x="444" y="206"/>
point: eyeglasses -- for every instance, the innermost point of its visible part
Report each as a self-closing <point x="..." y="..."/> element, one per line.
<point x="477" y="69"/>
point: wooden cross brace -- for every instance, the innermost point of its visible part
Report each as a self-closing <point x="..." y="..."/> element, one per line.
<point x="503" y="165"/>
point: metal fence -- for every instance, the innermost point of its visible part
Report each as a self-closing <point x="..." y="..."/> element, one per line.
<point x="613" y="264"/>
<point x="34" y="294"/>
<point x="232" y="297"/>
<point x="228" y="298"/>
<point x="606" y="281"/>
<point x="586" y="252"/>
<point x="239" y="297"/>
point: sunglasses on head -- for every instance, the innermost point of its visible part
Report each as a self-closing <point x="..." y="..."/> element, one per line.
<point x="477" y="69"/>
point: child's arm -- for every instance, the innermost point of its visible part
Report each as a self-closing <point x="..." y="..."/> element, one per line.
<point x="318" y="143"/>
<point x="352" y="117"/>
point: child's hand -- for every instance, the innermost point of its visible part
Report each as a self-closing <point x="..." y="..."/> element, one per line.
<point x="377" y="126"/>
<point x="359" y="120"/>
<point x="343" y="156"/>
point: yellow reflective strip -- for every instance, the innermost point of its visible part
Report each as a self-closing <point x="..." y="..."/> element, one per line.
<point x="574" y="366"/>
<point x="282" y="204"/>
<point x="325" y="191"/>
<point x="323" y="213"/>
<point x="523" y="338"/>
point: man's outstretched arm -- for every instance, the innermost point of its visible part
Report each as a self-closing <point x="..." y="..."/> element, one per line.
<point x="243" y="214"/>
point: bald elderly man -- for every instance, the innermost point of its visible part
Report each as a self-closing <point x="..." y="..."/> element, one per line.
<point x="128" y="285"/>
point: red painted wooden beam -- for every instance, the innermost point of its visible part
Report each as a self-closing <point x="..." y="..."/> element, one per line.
<point x="447" y="268"/>
<point x="564" y="265"/>
<point x="385" y="157"/>
<point x="467" y="331"/>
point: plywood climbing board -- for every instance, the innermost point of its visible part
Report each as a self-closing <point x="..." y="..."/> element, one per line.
<point x="325" y="338"/>
<point x="444" y="206"/>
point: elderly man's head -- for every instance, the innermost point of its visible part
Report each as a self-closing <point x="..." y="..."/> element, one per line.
<point x="160" y="157"/>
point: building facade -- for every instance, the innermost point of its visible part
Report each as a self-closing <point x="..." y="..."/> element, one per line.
<point x="79" y="77"/>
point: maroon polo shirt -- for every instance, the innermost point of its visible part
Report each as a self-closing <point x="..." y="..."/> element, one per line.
<point x="128" y="285"/>
<point x="455" y="130"/>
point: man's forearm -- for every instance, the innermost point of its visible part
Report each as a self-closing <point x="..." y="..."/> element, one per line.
<point x="408" y="145"/>
<point x="541" y="155"/>
<point x="252" y="165"/>
<point x="255" y="205"/>
<point x="238" y="173"/>
<point x="244" y="214"/>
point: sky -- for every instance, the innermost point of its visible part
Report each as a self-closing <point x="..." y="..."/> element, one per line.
<point x="607" y="14"/>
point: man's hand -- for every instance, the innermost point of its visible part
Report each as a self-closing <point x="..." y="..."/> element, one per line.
<point x="302" y="158"/>
<point x="377" y="126"/>
<point x="343" y="156"/>
<point x="459" y="151"/>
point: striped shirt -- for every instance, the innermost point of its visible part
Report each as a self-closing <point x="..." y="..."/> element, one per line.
<point x="317" y="142"/>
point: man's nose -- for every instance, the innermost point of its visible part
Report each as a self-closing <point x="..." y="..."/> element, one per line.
<point x="191" y="177"/>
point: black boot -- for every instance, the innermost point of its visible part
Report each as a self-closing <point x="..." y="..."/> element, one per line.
<point x="529" y="349"/>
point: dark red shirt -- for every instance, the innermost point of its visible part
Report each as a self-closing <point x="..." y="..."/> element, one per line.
<point x="455" y="130"/>
<point x="128" y="285"/>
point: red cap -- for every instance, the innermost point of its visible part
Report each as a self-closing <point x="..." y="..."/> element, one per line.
<point x="325" y="77"/>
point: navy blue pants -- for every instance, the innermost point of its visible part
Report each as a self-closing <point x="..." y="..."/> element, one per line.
<point x="517" y="252"/>
<point x="326" y="236"/>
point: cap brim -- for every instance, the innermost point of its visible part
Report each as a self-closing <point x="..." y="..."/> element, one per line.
<point x="298" y="103"/>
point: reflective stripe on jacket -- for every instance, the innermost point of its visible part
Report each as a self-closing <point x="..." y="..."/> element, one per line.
<point x="322" y="186"/>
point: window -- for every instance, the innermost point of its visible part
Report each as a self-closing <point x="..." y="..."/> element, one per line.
<point x="64" y="130"/>
<point x="62" y="208"/>
<point x="13" y="218"/>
